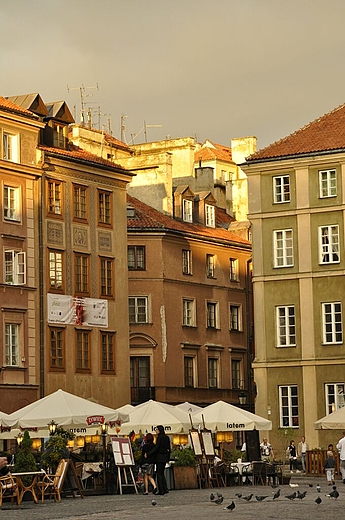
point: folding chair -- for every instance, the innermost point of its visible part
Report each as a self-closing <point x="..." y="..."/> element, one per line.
<point x="9" y="489"/>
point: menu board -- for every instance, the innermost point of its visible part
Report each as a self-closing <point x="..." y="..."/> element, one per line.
<point x="122" y="450"/>
<point x="194" y="434"/>
<point x="208" y="443"/>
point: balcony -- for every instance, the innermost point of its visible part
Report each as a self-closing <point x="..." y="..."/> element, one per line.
<point x="142" y="394"/>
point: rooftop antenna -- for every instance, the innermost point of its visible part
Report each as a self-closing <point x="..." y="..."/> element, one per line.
<point x="123" y="129"/>
<point x="144" y="128"/>
<point x="82" y="91"/>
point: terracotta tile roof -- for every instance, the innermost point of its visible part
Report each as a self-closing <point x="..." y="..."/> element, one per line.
<point x="325" y="134"/>
<point x="211" y="151"/>
<point x="148" y="218"/>
<point x="74" y="152"/>
<point x="10" y="106"/>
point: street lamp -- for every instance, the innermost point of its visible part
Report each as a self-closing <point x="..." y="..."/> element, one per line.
<point x="104" y="431"/>
<point x="242" y="397"/>
<point x="19" y="439"/>
<point x="52" y="427"/>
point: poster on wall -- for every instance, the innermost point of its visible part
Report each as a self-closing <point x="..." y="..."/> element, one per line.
<point x="122" y="450"/>
<point x="89" y="312"/>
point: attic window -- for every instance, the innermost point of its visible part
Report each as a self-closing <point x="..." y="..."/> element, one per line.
<point x="187" y="210"/>
<point x="210" y="216"/>
<point x="130" y="212"/>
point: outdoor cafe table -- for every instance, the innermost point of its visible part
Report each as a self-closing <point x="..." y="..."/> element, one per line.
<point x="31" y="488"/>
<point x="240" y="466"/>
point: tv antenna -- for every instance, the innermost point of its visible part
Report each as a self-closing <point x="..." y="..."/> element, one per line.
<point x="84" y="115"/>
<point x="123" y="128"/>
<point x="144" y="128"/>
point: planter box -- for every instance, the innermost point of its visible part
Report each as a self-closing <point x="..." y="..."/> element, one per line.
<point x="185" y="477"/>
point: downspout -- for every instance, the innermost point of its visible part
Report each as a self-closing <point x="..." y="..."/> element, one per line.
<point x="40" y="282"/>
<point x="249" y="336"/>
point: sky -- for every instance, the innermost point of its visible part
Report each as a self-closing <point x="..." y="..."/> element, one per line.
<point x="210" y="69"/>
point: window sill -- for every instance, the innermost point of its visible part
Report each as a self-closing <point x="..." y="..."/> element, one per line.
<point x="12" y="367"/>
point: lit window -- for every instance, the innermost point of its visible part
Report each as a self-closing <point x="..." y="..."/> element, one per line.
<point x="15" y="267"/>
<point x="288" y="406"/>
<point x="188" y="312"/>
<point x="12" y="206"/>
<point x="187" y="210"/>
<point x="329" y="244"/>
<point x="328" y="183"/>
<point x="210" y="266"/>
<point x="136" y="258"/>
<point x="138" y="309"/>
<point x="186" y="261"/>
<point x="233" y="270"/>
<point x="54" y="197"/>
<point x="281" y="189"/>
<point x="12" y="344"/>
<point x="283" y="248"/>
<point x="286" y="326"/>
<point x="55" y="270"/>
<point x="10" y="150"/>
<point x="332" y="323"/>
<point x="210" y="215"/>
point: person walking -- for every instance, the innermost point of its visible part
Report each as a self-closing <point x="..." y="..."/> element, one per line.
<point x="341" y="448"/>
<point x="266" y="451"/>
<point x="302" y="449"/>
<point x="147" y="463"/>
<point x="329" y="466"/>
<point x="291" y="451"/>
<point x="162" y="451"/>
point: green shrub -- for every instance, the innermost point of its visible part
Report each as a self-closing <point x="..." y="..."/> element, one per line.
<point x="56" y="449"/>
<point x="25" y="460"/>
<point x="184" y="457"/>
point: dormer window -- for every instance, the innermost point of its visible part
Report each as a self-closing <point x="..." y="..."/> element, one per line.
<point x="130" y="212"/>
<point x="58" y="136"/>
<point x="210" y="216"/>
<point x="10" y="147"/>
<point x="187" y="212"/>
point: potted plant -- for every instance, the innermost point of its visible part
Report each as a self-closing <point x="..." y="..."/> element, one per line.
<point x="56" y="449"/>
<point x="25" y="460"/>
<point x="184" y="468"/>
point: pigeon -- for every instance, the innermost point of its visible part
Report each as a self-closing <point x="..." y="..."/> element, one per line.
<point x="301" y="495"/>
<point x="218" y="500"/>
<point x="212" y="497"/>
<point x="293" y="485"/>
<point x="260" y="498"/>
<point x="219" y="495"/>
<point x="291" y="497"/>
<point x="249" y="497"/>
<point x="276" y="494"/>
<point x="310" y="485"/>
<point x="333" y="494"/>
<point x="238" y="495"/>
<point x="231" y="506"/>
<point x="153" y="502"/>
<point x="318" y="488"/>
<point x="318" y="500"/>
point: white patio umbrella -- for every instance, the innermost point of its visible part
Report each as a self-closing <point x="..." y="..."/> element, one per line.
<point x="5" y="420"/>
<point x="66" y="410"/>
<point x="221" y="416"/>
<point x="189" y="407"/>
<point x="126" y="408"/>
<point x="333" y="421"/>
<point x="147" y="415"/>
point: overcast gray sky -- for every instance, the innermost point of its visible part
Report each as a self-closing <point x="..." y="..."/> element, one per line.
<point x="212" y="69"/>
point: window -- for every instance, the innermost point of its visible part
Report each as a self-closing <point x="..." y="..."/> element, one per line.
<point x="212" y="309"/>
<point x="83" y="351"/>
<point x="12" y="206"/>
<point x="212" y="372"/>
<point x="286" y="326"/>
<point x="107" y="270"/>
<point x="104" y="207"/>
<point x="15" y="267"/>
<point x="136" y="258"/>
<point x="281" y="189"/>
<point x="138" y="309"/>
<point x="233" y="269"/>
<point x="81" y="273"/>
<point x="186" y="261"/>
<point x="55" y="270"/>
<point x="334" y="396"/>
<point x="210" y="216"/>
<point x="235" y="317"/>
<point x="288" y="405"/>
<point x="189" y="371"/>
<point x="236" y="369"/>
<point x="57" y="349"/>
<point x="210" y="260"/>
<point x="108" y="361"/>
<point x="12" y="344"/>
<point x="187" y="210"/>
<point x="188" y="312"/>
<point x="54" y="197"/>
<point x="328" y="183"/>
<point x="10" y="147"/>
<point x="58" y="136"/>
<point x="329" y="244"/>
<point x="332" y="322"/>
<point x="283" y="248"/>
<point x="79" y="202"/>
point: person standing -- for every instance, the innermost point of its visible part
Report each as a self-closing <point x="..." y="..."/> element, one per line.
<point x="162" y="452"/>
<point x="341" y="448"/>
<point x="292" y="457"/>
<point x="302" y="449"/>
<point x="266" y="451"/>
<point x="147" y="463"/>
<point x="329" y="466"/>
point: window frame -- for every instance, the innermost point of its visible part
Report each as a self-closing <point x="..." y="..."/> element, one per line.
<point x="284" y="327"/>
<point x="332" y="399"/>
<point x="327" y="246"/>
<point x="57" y="352"/>
<point x="107" y="352"/>
<point x="233" y="269"/>
<point x="285" y="247"/>
<point x="235" y="322"/>
<point x="138" y="252"/>
<point x="18" y="267"/>
<point x="12" y="330"/>
<point x="136" y="307"/>
<point x="212" y="314"/>
<point x="187" y="262"/>
<point x="332" y="325"/>
<point x="105" y="208"/>
<point x="80" y="203"/>
<point x="187" y="210"/>
<point x="236" y="374"/>
<point x="189" y="371"/>
<point x="213" y="371"/>
<point x="55" y="270"/>
<point x="280" y="194"/>
<point x="82" y="351"/>
<point x="288" y="403"/>
<point x="188" y="312"/>
<point x="325" y="185"/>
<point x="210" y="265"/>
<point x="13" y="204"/>
<point x="210" y="216"/>
<point x="106" y="276"/>
<point x="10" y="146"/>
<point x="82" y="273"/>
<point x="54" y="198"/>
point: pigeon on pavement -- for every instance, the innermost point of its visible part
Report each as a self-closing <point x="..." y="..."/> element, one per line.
<point x="276" y="494"/>
<point x="333" y="494"/>
<point x="318" y="500"/>
<point x="301" y="495"/>
<point x="238" y="495"/>
<point x="212" y="497"/>
<point x="260" y="498"/>
<point x="249" y="497"/>
<point x="218" y="500"/>
<point x="153" y="502"/>
<point x="318" y="488"/>
<point x="310" y="485"/>
<point x="291" y="497"/>
<point x="231" y="506"/>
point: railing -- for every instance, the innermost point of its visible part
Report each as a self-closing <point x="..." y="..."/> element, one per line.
<point x="315" y="460"/>
<point x="142" y="394"/>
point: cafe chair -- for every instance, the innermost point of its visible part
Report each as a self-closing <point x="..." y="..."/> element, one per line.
<point x="51" y="485"/>
<point x="9" y="489"/>
<point x="259" y="473"/>
<point x="233" y="476"/>
<point x="217" y="475"/>
<point x="247" y="475"/>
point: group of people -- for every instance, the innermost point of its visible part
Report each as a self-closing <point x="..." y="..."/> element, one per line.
<point x="154" y="456"/>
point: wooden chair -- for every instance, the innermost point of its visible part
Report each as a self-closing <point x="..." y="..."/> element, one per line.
<point x="259" y="473"/>
<point x="232" y="476"/>
<point x="9" y="489"/>
<point x="51" y="485"/>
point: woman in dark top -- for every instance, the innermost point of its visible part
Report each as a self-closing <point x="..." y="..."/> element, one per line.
<point x="292" y="456"/>
<point x="147" y="463"/>
<point x="162" y="452"/>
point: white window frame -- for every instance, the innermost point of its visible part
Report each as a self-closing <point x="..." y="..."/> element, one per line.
<point x="332" y="323"/>
<point x="281" y="189"/>
<point x="235" y="311"/>
<point x="140" y="305"/>
<point x="329" y="250"/>
<point x="187" y="210"/>
<point x="233" y="269"/>
<point x="288" y="406"/>
<point x="210" y="265"/>
<point x="11" y="344"/>
<point x="212" y="319"/>
<point x="328" y="183"/>
<point x="10" y="147"/>
<point x="286" y="326"/>
<point x="214" y="361"/>
<point x="14" y="267"/>
<point x="12" y="205"/>
<point x="188" y="312"/>
<point x="283" y="248"/>
<point x="186" y="261"/>
<point x="210" y="216"/>
<point x="334" y="396"/>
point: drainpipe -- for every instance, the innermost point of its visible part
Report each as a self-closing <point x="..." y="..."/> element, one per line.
<point x="249" y="297"/>
<point x="40" y="282"/>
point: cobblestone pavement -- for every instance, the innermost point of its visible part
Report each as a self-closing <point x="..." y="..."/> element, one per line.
<point x="191" y="504"/>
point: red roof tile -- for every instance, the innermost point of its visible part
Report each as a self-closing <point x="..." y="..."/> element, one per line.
<point x="327" y="133"/>
<point x="8" y="105"/>
<point x="150" y="218"/>
<point x="215" y="151"/>
<point x="74" y="152"/>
